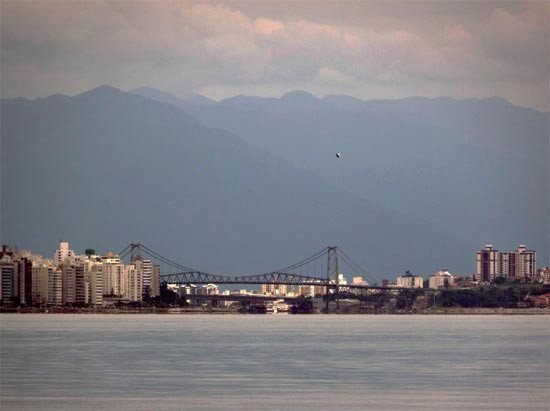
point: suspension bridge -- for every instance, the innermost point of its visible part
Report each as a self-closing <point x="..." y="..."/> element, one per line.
<point x="320" y="270"/>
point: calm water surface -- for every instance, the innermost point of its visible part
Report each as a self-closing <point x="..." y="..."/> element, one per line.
<point x="274" y="362"/>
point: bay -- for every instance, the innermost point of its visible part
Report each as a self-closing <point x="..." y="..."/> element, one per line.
<point x="274" y="362"/>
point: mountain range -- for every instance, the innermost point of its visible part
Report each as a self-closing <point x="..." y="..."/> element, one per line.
<point x="250" y="184"/>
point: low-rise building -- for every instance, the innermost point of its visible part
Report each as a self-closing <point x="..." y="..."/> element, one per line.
<point x="441" y="279"/>
<point x="359" y="280"/>
<point x="273" y="289"/>
<point x="409" y="281"/>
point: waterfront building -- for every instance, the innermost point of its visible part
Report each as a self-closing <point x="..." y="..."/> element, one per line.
<point x="63" y="253"/>
<point x="487" y="264"/>
<point x="306" y="290"/>
<point x="68" y="283"/>
<point x="41" y="274"/>
<point x="147" y="273"/>
<point x="22" y="278"/>
<point x="273" y="289"/>
<point x="490" y="263"/>
<point x="82" y="291"/>
<point x="134" y="280"/>
<point x="7" y="279"/>
<point x="342" y="280"/>
<point x="55" y="287"/>
<point x="409" y="281"/>
<point x="209" y="289"/>
<point x="441" y="279"/>
<point x="188" y="289"/>
<point x="155" y="281"/>
<point x="96" y="284"/>
<point x="114" y="278"/>
<point x="358" y="280"/>
<point x="526" y="262"/>
<point x="93" y="269"/>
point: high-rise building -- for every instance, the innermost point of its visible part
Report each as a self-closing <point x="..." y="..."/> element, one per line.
<point x="7" y="279"/>
<point x="487" y="264"/>
<point x="24" y="266"/>
<point x="55" y="287"/>
<point x="80" y="285"/>
<point x="114" y="278"/>
<point x="526" y="262"/>
<point x="68" y="283"/>
<point x="40" y="284"/>
<point x="94" y="269"/>
<point x="155" y="281"/>
<point x="63" y="253"/>
<point x="147" y="273"/>
<point x="521" y="263"/>
<point x="134" y="275"/>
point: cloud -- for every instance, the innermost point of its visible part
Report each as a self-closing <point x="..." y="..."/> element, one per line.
<point x="68" y="46"/>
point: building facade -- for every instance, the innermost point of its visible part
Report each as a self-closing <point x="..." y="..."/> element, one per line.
<point x="409" y="281"/>
<point x="441" y="279"/>
<point x="490" y="264"/>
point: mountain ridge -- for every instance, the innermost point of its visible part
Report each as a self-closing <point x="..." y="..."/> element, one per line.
<point x="448" y="157"/>
<point x="107" y="167"/>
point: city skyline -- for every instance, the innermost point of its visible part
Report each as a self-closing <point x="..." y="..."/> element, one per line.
<point x="102" y="279"/>
<point x="323" y="205"/>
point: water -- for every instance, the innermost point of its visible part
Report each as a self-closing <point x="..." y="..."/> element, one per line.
<point x="274" y="362"/>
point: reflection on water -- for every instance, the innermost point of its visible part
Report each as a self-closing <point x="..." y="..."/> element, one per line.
<point x="211" y="362"/>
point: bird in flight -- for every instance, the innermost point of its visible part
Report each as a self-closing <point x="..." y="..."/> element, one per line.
<point x="338" y="155"/>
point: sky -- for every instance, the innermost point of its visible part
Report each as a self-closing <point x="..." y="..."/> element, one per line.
<point x="367" y="49"/>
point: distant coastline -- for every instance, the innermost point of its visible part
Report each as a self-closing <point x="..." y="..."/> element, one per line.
<point x="206" y="311"/>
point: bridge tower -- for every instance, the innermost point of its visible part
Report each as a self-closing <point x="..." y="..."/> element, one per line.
<point x="332" y="274"/>
<point x="135" y="251"/>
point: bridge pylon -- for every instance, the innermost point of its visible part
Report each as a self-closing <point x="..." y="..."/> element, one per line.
<point x="332" y="274"/>
<point x="135" y="251"/>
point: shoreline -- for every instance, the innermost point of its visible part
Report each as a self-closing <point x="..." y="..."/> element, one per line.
<point x="200" y="311"/>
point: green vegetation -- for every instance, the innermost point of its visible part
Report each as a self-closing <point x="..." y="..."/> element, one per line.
<point x="504" y="295"/>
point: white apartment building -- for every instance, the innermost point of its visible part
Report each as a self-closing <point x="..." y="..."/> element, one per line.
<point x="93" y="267"/>
<point x="63" y="253"/>
<point x="209" y="289"/>
<point x="273" y="289"/>
<point x="134" y="278"/>
<point x="441" y="279"/>
<point x="409" y="281"/>
<point x="358" y="280"/>
<point x="147" y="274"/>
<point x="114" y="278"/>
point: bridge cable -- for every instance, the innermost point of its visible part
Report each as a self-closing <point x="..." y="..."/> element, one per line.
<point x="163" y="259"/>
<point x="354" y="265"/>
<point x="301" y="263"/>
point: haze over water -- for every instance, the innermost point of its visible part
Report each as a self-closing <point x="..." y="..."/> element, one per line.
<point x="211" y="362"/>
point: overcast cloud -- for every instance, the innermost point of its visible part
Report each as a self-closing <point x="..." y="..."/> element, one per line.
<point x="366" y="49"/>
